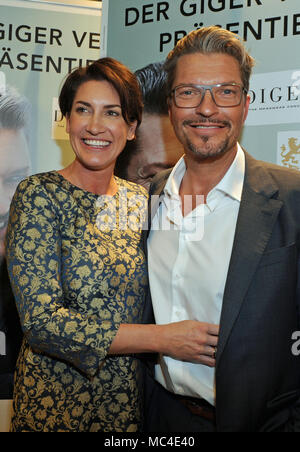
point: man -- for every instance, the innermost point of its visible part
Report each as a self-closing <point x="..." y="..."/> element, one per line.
<point x="240" y="271"/>
<point x="14" y="152"/>
<point x="156" y="147"/>
<point x="14" y="166"/>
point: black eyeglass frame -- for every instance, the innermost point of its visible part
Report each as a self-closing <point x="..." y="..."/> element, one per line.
<point x="208" y="88"/>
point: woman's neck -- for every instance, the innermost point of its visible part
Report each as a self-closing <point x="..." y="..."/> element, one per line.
<point x="99" y="182"/>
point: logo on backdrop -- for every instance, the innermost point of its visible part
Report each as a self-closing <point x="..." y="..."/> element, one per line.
<point x="275" y="98"/>
<point x="288" y="149"/>
<point x="58" y="122"/>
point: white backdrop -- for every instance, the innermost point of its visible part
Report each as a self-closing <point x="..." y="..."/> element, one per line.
<point x="147" y="31"/>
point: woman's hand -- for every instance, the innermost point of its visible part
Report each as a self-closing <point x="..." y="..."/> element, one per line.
<point x="188" y="340"/>
<point x="191" y="341"/>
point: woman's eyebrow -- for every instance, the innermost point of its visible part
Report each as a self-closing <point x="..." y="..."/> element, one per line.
<point x="87" y="104"/>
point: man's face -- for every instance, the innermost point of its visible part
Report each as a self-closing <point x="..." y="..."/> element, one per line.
<point x="207" y="130"/>
<point x="14" y="166"/>
<point x="158" y="147"/>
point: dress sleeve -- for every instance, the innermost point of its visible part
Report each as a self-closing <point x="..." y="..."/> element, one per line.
<point x="33" y="248"/>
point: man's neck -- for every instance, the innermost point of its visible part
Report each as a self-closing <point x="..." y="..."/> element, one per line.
<point x="202" y="176"/>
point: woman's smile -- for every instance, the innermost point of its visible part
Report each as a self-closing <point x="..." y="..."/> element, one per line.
<point x="96" y="126"/>
<point x="96" y="144"/>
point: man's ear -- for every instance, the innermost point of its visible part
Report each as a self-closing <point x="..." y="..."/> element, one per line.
<point x="169" y="104"/>
<point x="246" y="108"/>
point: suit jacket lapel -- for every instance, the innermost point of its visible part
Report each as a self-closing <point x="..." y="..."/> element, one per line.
<point x="155" y="197"/>
<point x="258" y="212"/>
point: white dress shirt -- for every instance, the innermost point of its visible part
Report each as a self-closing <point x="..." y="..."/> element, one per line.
<point x="188" y="264"/>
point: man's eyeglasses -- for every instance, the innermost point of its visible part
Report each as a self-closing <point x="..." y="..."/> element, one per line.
<point x="223" y="94"/>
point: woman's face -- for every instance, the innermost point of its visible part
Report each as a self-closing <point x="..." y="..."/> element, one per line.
<point x="97" y="130"/>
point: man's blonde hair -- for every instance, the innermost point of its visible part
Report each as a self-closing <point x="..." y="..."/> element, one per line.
<point x="207" y="40"/>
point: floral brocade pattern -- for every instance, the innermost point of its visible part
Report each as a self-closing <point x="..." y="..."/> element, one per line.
<point x="75" y="282"/>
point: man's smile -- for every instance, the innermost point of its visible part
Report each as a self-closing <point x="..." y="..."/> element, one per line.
<point x="206" y="124"/>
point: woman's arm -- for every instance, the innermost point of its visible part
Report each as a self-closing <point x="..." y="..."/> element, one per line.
<point x="186" y="341"/>
<point x="35" y="268"/>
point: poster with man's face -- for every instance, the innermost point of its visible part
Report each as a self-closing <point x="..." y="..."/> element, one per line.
<point x="15" y="165"/>
<point x="41" y="43"/>
<point x="156" y="146"/>
<point x="272" y="128"/>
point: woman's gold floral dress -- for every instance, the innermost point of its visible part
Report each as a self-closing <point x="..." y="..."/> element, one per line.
<point x="77" y="271"/>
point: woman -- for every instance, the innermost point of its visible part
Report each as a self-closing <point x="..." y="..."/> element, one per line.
<point x="78" y="271"/>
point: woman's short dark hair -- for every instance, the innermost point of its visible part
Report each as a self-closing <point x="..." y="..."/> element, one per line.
<point x="112" y="71"/>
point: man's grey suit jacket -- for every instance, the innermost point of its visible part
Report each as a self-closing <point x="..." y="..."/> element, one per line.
<point x="257" y="375"/>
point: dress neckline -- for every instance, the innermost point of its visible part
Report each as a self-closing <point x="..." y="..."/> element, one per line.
<point x="76" y="187"/>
